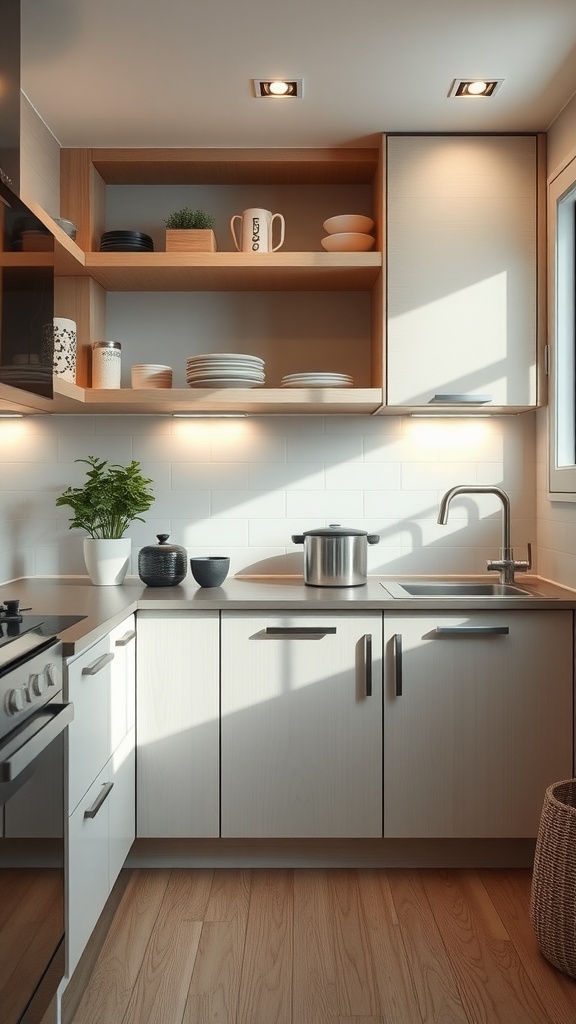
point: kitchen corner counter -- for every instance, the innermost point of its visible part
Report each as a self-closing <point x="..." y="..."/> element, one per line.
<point x="105" y="607"/>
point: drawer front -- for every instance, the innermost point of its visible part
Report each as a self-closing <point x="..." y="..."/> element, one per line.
<point x="89" y="734"/>
<point x="88" y="866"/>
<point x="122" y="680"/>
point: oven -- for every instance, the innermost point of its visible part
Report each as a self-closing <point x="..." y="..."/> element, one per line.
<point x="33" y="722"/>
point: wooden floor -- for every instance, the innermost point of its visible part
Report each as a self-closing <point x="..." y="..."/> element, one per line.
<point x="325" y="947"/>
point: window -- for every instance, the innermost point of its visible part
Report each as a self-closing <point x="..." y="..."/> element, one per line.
<point x="562" y="334"/>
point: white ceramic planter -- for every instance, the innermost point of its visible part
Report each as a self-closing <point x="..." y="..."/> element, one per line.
<point x="107" y="560"/>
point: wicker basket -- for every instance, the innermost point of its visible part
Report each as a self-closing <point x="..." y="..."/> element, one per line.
<point x="553" y="898"/>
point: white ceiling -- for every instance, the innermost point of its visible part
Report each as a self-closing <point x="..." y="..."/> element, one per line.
<point x="179" y="72"/>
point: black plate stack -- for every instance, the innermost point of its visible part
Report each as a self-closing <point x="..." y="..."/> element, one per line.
<point x="126" y="241"/>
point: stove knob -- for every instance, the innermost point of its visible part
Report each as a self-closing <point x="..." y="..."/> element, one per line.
<point x="50" y="674"/>
<point x="15" y="701"/>
<point x="38" y="685"/>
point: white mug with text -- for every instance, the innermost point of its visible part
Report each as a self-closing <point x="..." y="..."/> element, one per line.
<point x="256" y="230"/>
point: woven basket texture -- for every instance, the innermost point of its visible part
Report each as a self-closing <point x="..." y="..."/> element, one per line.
<point x="553" y="896"/>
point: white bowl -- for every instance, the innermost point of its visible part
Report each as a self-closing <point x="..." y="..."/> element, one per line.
<point x="348" y="222"/>
<point x="348" y="241"/>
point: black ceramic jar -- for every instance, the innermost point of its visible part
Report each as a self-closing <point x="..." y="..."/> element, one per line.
<point x="162" y="564"/>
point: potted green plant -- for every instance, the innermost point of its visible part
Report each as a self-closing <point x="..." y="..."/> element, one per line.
<point x="190" y="231"/>
<point x="111" y="498"/>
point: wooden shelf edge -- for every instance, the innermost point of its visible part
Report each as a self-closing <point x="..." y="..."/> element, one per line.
<point x="69" y="398"/>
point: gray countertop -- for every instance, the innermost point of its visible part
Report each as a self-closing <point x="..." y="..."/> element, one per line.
<point x="105" y="607"/>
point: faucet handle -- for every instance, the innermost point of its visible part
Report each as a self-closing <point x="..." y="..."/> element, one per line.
<point x="525" y="565"/>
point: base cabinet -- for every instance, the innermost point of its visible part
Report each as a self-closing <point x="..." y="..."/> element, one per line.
<point x="301" y="724"/>
<point x="478" y="721"/>
<point x="178" y="724"/>
<point x="100" y="834"/>
<point x="101" y="778"/>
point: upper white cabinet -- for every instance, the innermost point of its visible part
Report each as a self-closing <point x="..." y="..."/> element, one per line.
<point x="464" y="299"/>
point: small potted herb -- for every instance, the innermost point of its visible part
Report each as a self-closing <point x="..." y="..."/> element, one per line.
<point x="111" y="498"/>
<point x="190" y="231"/>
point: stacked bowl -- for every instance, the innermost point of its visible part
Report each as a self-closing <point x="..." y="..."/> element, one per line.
<point x="348" y="233"/>
<point x="224" y="370"/>
<point x="151" y="375"/>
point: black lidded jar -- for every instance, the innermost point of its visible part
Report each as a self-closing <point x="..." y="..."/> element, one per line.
<point x="162" y="564"/>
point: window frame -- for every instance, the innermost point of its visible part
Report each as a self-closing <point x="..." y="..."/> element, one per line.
<point x="562" y="333"/>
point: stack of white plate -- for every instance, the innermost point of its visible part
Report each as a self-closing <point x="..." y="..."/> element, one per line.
<point x="224" y="370"/>
<point x="151" y="375"/>
<point x="318" y="379"/>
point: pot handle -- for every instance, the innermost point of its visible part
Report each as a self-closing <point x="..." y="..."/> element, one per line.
<point x="373" y="538"/>
<point x="297" y="538"/>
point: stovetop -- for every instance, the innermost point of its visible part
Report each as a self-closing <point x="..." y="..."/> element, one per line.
<point x="21" y="634"/>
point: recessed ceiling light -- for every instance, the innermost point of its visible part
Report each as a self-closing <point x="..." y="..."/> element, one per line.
<point x="474" y="88"/>
<point x="278" y="88"/>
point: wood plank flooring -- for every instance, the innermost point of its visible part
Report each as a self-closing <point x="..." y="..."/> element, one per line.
<point x="309" y="946"/>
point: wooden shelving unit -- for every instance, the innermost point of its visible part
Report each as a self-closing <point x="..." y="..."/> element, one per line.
<point x="83" y="275"/>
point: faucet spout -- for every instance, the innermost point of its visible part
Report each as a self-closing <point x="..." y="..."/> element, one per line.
<point x="481" y="489"/>
<point x="506" y="564"/>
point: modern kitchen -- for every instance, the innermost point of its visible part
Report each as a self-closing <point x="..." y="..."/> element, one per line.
<point x="300" y="749"/>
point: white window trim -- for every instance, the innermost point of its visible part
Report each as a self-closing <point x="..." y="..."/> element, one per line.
<point x="561" y="291"/>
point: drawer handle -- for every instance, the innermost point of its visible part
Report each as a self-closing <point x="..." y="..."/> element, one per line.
<point x="472" y="630"/>
<point x="299" y="632"/>
<point x="104" y="793"/>
<point x="368" y="663"/>
<point x="460" y="400"/>
<point x="98" y="665"/>
<point x="123" y="640"/>
<point x="397" y="646"/>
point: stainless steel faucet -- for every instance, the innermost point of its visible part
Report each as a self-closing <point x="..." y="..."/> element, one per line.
<point x="506" y="565"/>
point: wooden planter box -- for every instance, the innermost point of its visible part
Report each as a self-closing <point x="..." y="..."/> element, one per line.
<point x="190" y="240"/>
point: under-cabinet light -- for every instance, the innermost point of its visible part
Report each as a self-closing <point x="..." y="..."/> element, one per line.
<point x="11" y="415"/>
<point x="209" y="415"/>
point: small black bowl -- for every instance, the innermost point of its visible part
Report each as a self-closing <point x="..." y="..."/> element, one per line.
<point x="210" y="571"/>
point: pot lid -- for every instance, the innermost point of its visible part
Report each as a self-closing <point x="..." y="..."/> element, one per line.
<point x="335" y="530"/>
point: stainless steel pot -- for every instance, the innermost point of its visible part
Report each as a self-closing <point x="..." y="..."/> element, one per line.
<point x="335" y="556"/>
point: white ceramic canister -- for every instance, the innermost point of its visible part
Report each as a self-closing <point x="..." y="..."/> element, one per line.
<point x="106" y="364"/>
<point x="65" y="348"/>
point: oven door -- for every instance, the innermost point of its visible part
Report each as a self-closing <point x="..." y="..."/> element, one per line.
<point x="32" y="864"/>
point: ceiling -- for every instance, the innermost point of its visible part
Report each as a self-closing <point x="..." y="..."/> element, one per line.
<point x="177" y="73"/>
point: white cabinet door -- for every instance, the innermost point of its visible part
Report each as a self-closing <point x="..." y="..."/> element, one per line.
<point x="122" y="641"/>
<point x="88" y="877"/>
<point x="178" y="732"/>
<point x="301" y="724"/>
<point x="476" y="725"/>
<point x="122" y="807"/>
<point x="461" y="226"/>
<point x="88" y="687"/>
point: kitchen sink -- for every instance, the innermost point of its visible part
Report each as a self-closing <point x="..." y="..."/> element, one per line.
<point x="455" y="589"/>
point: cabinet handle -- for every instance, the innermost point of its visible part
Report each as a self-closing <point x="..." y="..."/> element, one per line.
<point x="368" y="663"/>
<point x="92" y="811"/>
<point x="126" y="638"/>
<point x="472" y="630"/>
<point x="98" y="665"/>
<point x="299" y="632"/>
<point x="397" y="645"/>
<point x="460" y="400"/>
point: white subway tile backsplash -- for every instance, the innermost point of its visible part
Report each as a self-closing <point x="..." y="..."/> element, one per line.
<point x="334" y="506"/>
<point x="248" y="505"/>
<point x="243" y="488"/>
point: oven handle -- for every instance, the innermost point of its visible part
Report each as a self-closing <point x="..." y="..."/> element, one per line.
<point x="34" y="740"/>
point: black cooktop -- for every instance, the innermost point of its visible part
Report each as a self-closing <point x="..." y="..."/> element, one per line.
<point x="22" y="634"/>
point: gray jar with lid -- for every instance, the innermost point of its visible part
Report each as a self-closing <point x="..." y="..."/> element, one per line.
<point x="162" y="564"/>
